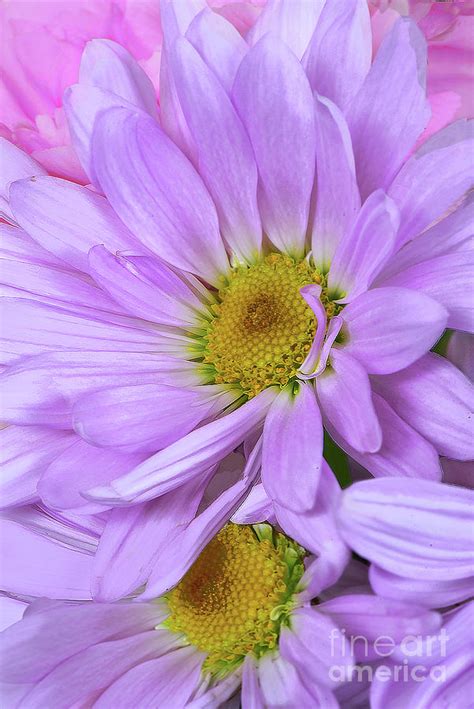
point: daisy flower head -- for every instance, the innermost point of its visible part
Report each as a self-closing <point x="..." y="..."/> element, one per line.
<point x="272" y="251"/>
<point x="244" y="620"/>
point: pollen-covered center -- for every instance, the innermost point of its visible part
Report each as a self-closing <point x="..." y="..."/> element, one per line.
<point x="262" y="328"/>
<point x="235" y="597"/>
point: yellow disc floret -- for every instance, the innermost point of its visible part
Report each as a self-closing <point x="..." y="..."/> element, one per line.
<point x="237" y="594"/>
<point x="262" y="328"/>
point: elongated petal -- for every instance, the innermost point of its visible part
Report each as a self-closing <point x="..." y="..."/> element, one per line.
<point x="33" y="565"/>
<point x="11" y="611"/>
<point x="16" y="165"/>
<point x="174" y="560"/>
<point x="461" y="352"/>
<point x="404" y="452"/>
<point x="447" y="236"/>
<point x="281" y="684"/>
<point x="83" y="625"/>
<point x="293" y="449"/>
<point x="415" y="528"/>
<point x="346" y="400"/>
<point x="189" y="456"/>
<point x="67" y="219"/>
<point x="51" y="285"/>
<point x="223" y="151"/>
<point x="251" y="693"/>
<point x="140" y="417"/>
<point x="312" y="295"/>
<point x="393" y="94"/>
<point x="447" y="279"/>
<point x="16" y="244"/>
<point x="71" y="530"/>
<point x="364" y="250"/>
<point x="110" y="66"/>
<point x="157" y="193"/>
<point x="388" y="329"/>
<point x="291" y="22"/>
<point x="337" y="193"/>
<point x="257" y="507"/>
<point x="451" y="657"/>
<point x="340" y="52"/>
<point x="72" y="681"/>
<point x="40" y="390"/>
<point x="317" y="531"/>
<point x="274" y="100"/>
<point x="134" y="536"/>
<point x="314" y="643"/>
<point x="176" y="674"/>
<point x="372" y="616"/>
<point x="145" y="287"/>
<point x="217" y="694"/>
<point x="421" y="592"/>
<point x="436" y="399"/>
<point x="439" y="174"/>
<point x="219" y="43"/>
<point x="83" y="105"/>
<point x="78" y="468"/>
<point x="32" y="328"/>
<point x="25" y="454"/>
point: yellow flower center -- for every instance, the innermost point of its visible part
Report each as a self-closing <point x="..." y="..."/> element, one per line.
<point x="262" y="328"/>
<point x="235" y="597"/>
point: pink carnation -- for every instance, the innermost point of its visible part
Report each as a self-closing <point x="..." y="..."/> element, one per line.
<point x="41" y="56"/>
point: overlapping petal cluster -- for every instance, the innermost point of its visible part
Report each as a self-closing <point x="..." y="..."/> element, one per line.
<point x="252" y="271"/>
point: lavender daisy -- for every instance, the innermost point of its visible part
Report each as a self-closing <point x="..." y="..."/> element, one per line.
<point x="242" y="619"/>
<point x="274" y="251"/>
